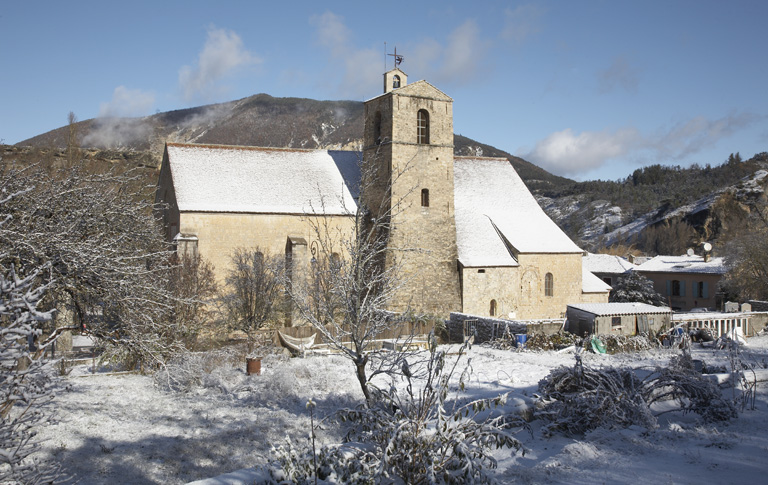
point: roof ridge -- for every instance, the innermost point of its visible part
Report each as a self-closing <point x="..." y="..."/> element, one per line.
<point x="250" y="148"/>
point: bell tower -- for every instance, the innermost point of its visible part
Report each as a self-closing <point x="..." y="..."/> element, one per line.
<point x="408" y="152"/>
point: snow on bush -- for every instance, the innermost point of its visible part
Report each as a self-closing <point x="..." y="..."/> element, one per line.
<point x="411" y="436"/>
<point x="578" y="399"/>
<point x="25" y="382"/>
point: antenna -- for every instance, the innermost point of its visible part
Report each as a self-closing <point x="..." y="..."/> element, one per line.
<point x="689" y="252"/>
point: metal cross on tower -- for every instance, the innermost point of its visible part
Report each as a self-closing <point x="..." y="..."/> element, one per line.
<point x="398" y="58"/>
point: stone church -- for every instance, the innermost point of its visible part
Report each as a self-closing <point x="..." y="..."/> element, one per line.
<point x="485" y="247"/>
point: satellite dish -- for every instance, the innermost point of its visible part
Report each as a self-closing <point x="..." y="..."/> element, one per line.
<point x="689" y="252"/>
<point x="707" y="247"/>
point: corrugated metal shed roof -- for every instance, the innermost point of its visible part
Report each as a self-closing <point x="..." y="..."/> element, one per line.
<point x="607" y="309"/>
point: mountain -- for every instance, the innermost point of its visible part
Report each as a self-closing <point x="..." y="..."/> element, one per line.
<point x="655" y="203"/>
<point x="259" y="120"/>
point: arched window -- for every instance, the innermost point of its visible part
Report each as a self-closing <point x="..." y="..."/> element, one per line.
<point x="395" y="81"/>
<point x="549" y="285"/>
<point x="493" y="308"/>
<point x="377" y="128"/>
<point x="425" y="197"/>
<point x="422" y="127"/>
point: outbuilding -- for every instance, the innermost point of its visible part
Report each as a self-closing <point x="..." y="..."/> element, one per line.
<point x="616" y="318"/>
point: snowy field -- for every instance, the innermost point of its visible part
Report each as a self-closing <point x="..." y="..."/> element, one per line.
<point x="128" y="429"/>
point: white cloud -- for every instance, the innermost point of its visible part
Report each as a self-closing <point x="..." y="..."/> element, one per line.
<point x="521" y="23"/>
<point x="127" y="102"/>
<point x="457" y="60"/>
<point x="361" y="67"/>
<point x="567" y="153"/>
<point x="691" y="136"/>
<point x="222" y="55"/>
<point x="620" y="74"/>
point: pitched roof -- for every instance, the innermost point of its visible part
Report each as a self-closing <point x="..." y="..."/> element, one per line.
<point x="493" y="206"/>
<point x="606" y="309"/>
<point x="215" y="178"/>
<point x="591" y="283"/>
<point x="683" y="264"/>
<point x="416" y="88"/>
<point x="606" y="263"/>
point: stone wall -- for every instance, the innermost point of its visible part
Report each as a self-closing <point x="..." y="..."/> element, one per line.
<point x="219" y="234"/>
<point x="486" y="328"/>
<point x="759" y="306"/>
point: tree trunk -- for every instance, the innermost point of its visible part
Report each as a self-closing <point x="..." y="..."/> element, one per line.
<point x="360" y="363"/>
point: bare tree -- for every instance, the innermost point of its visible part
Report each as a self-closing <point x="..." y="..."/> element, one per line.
<point x="354" y="280"/>
<point x="254" y="290"/>
<point x="25" y="383"/>
<point x="196" y="293"/>
<point x="107" y="263"/>
<point x="747" y="260"/>
<point x="73" y="142"/>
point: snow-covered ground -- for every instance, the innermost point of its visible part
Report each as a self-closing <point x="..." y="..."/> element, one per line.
<point x="126" y="428"/>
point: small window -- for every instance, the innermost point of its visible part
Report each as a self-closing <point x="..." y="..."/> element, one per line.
<point x="493" y="308"/>
<point x="395" y="81"/>
<point x="615" y="321"/>
<point x="377" y="128"/>
<point x="422" y="127"/>
<point x="549" y="285"/>
<point x="481" y="271"/>
<point x="676" y="288"/>
<point x="425" y="197"/>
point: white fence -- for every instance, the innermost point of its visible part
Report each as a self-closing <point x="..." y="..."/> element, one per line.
<point x="717" y="323"/>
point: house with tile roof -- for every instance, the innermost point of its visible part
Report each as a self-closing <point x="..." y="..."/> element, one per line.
<point x="477" y="240"/>
<point x="688" y="281"/>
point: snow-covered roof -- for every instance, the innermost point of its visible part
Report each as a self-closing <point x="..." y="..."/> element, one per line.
<point x="214" y="178"/>
<point x="696" y="316"/>
<point x="604" y="309"/>
<point x="591" y="283"/>
<point x="683" y="264"/>
<point x="493" y="205"/>
<point x="606" y="263"/>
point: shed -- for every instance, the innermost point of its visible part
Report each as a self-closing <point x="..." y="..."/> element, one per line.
<point x="616" y="318"/>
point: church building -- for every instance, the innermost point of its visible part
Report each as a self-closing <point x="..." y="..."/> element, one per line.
<point x="480" y="243"/>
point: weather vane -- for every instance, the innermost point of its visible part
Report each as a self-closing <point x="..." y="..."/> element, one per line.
<point x="398" y="58"/>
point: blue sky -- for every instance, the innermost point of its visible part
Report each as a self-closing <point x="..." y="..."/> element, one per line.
<point x="585" y="89"/>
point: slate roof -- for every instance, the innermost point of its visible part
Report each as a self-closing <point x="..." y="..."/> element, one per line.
<point x="494" y="207"/>
<point x="215" y="178"/>
<point x="683" y="264"/>
<point x="607" y="309"/>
